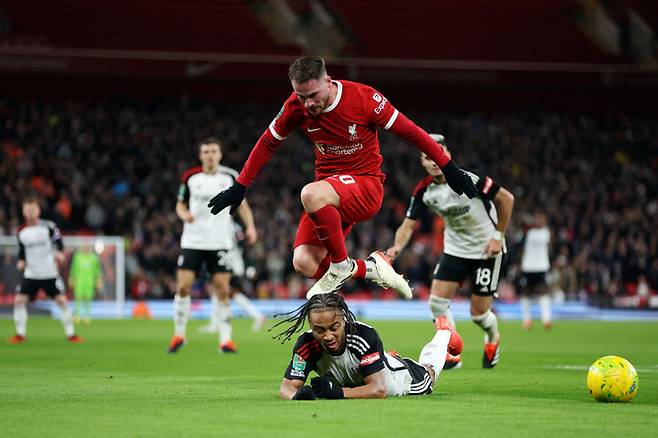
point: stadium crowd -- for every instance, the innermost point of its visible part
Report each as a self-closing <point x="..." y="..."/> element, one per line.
<point x="113" y="167"/>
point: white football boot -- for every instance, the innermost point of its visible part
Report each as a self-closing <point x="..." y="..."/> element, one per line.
<point x="387" y="277"/>
<point x="331" y="281"/>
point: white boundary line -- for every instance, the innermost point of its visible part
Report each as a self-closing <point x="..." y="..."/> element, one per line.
<point x="648" y="369"/>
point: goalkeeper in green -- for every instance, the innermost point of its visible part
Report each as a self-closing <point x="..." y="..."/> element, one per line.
<point x="84" y="277"/>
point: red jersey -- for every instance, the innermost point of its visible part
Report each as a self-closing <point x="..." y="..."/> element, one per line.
<point x="344" y="134"/>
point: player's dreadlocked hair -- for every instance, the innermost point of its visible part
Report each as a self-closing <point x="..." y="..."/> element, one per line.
<point x="319" y="302"/>
<point x="307" y="68"/>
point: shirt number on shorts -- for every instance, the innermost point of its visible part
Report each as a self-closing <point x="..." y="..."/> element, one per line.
<point x="346" y="179"/>
<point x="222" y="258"/>
<point x="483" y="276"/>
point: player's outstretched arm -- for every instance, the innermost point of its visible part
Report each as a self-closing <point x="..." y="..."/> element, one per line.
<point x="265" y="147"/>
<point x="504" y="202"/>
<point x="295" y="390"/>
<point x="375" y="387"/>
<point x="402" y="236"/>
<point x="456" y="178"/>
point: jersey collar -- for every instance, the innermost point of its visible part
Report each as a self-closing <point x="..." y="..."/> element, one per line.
<point x="339" y="93"/>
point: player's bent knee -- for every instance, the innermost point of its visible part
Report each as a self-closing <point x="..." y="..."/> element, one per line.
<point x="317" y="195"/>
<point x="310" y="196"/>
<point x="304" y="264"/>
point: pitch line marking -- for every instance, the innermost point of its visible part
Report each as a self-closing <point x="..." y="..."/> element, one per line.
<point x="650" y="369"/>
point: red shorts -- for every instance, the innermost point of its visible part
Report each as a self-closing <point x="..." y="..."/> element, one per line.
<point x="360" y="199"/>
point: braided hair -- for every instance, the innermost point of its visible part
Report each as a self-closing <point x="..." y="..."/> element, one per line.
<point x="319" y="302"/>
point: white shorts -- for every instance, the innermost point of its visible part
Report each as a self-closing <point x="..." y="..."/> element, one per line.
<point x="404" y="376"/>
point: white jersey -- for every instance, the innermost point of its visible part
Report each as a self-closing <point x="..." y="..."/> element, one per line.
<point x="37" y="245"/>
<point x="535" y="250"/>
<point x="469" y="223"/>
<point x="364" y="355"/>
<point x="208" y="231"/>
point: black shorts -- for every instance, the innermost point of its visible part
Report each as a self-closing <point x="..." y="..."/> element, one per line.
<point x="51" y="286"/>
<point x="531" y="281"/>
<point x="484" y="273"/>
<point x="215" y="260"/>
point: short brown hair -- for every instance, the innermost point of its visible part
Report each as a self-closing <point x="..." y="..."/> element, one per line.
<point x="31" y="199"/>
<point x="307" y="68"/>
<point x="210" y="140"/>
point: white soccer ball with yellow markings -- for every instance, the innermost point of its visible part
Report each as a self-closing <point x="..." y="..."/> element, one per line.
<point x="612" y="379"/>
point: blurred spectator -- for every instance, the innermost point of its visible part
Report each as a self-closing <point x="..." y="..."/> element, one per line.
<point x="111" y="166"/>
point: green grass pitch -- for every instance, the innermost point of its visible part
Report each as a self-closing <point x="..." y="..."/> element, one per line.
<point x="122" y="383"/>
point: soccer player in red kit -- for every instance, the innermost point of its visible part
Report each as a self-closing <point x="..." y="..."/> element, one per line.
<point x="341" y="119"/>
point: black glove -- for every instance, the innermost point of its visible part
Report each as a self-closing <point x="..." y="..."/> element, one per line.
<point x="304" y="393"/>
<point x="458" y="180"/>
<point x="323" y="387"/>
<point x="232" y="196"/>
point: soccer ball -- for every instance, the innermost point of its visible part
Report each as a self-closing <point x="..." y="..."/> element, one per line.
<point x="612" y="379"/>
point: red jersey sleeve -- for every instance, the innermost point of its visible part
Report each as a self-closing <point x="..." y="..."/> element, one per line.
<point x="406" y="129"/>
<point x="381" y="112"/>
<point x="289" y="117"/>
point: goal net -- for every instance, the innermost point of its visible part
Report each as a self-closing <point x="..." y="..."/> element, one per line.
<point x="110" y="296"/>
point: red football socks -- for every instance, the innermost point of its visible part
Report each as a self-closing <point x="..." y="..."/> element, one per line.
<point x="322" y="268"/>
<point x="330" y="232"/>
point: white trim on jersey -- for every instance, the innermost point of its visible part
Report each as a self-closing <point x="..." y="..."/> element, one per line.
<point x="358" y="339"/>
<point x="339" y="94"/>
<point x="356" y="346"/>
<point x="391" y="120"/>
<point x="274" y="133"/>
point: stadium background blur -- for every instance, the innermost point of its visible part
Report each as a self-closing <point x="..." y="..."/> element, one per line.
<point x="101" y="109"/>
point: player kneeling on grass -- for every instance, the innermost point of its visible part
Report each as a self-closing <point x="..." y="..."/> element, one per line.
<point x="349" y="357"/>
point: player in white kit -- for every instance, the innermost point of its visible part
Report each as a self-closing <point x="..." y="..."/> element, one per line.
<point x="474" y="246"/>
<point x="349" y="356"/>
<point x="40" y="249"/>
<point x="206" y="240"/>
<point x="535" y="265"/>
